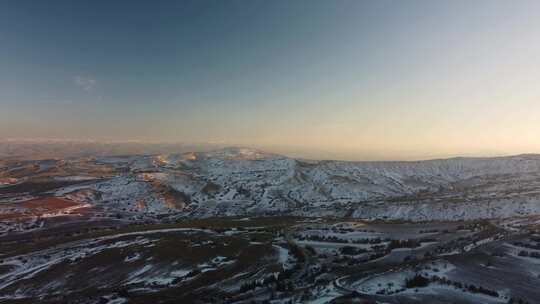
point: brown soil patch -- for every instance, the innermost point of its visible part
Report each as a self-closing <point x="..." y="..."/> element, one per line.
<point x="8" y="180"/>
<point x="36" y="207"/>
<point x="48" y="204"/>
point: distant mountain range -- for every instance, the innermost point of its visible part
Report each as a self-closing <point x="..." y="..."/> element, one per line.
<point x="242" y="181"/>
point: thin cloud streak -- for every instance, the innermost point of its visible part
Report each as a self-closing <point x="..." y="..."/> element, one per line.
<point x="86" y="83"/>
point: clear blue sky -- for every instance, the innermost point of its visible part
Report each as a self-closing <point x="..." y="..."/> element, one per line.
<point x="352" y="79"/>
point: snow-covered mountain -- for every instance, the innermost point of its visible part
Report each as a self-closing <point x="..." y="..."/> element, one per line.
<point x="241" y="181"/>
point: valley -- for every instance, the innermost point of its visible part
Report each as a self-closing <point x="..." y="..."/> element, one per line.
<point x="238" y="225"/>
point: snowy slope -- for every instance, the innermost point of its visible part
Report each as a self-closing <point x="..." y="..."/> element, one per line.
<point x="241" y="181"/>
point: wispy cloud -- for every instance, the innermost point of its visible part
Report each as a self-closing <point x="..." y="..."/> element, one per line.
<point x="86" y="83"/>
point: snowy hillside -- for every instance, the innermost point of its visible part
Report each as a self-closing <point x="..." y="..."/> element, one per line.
<point x="241" y="181"/>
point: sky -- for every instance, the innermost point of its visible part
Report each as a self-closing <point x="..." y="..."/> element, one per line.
<point x="322" y="79"/>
